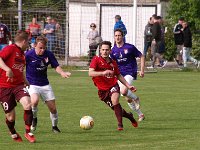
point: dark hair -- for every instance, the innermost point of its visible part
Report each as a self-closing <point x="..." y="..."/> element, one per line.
<point x="154" y="15"/>
<point x="118" y="17"/>
<point x="21" y="35"/>
<point x="105" y="43"/>
<point x="119" y="30"/>
<point x="93" y="24"/>
<point x="181" y="19"/>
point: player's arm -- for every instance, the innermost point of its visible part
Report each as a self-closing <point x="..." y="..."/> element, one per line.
<point x="8" y="70"/>
<point x="62" y="73"/>
<point x="93" y="73"/>
<point x="25" y="80"/>
<point x="142" y="65"/>
<point x="123" y="81"/>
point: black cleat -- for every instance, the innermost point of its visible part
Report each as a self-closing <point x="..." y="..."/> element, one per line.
<point x="55" y="129"/>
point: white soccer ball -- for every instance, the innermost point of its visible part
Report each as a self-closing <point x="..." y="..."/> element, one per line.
<point x="86" y="122"/>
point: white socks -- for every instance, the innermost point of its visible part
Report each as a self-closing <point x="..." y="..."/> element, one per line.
<point x="132" y="106"/>
<point x="34" y="110"/>
<point x="54" y="119"/>
<point x="131" y="95"/>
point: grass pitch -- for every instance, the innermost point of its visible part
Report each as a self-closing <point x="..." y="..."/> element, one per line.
<point x="170" y="102"/>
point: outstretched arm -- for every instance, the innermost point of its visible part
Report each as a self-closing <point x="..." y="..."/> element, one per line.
<point x="8" y="70"/>
<point x="62" y="73"/>
<point x="107" y="73"/>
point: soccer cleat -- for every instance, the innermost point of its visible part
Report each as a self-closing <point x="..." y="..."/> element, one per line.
<point x="133" y="121"/>
<point x="137" y="103"/>
<point x="34" y="124"/>
<point x="120" y="128"/>
<point x="16" y="137"/>
<point x="30" y="137"/>
<point x="55" y="129"/>
<point x="150" y="67"/>
<point x="141" y="118"/>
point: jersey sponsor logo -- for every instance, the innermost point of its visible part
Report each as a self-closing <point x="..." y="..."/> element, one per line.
<point x="33" y="61"/>
<point x="19" y="67"/>
<point x="46" y="59"/>
<point x="120" y="55"/>
<point x="125" y="51"/>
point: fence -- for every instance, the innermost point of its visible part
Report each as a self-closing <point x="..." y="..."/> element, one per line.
<point x="81" y="15"/>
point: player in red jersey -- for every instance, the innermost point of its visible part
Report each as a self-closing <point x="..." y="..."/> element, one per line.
<point x="12" y="85"/>
<point x="105" y="73"/>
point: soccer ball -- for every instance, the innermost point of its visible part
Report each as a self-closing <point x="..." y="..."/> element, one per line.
<point x="86" y="122"/>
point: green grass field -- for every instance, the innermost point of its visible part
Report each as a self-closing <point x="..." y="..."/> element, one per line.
<point x="170" y="102"/>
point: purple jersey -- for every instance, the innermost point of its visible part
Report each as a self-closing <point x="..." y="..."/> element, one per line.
<point x="125" y="57"/>
<point x="36" y="67"/>
<point x="4" y="31"/>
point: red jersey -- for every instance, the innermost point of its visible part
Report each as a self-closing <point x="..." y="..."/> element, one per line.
<point x="34" y="29"/>
<point x="100" y="64"/>
<point x="14" y="58"/>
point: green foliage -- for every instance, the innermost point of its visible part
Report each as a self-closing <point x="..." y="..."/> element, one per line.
<point x="190" y="10"/>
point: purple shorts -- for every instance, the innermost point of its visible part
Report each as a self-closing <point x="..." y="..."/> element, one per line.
<point x="9" y="96"/>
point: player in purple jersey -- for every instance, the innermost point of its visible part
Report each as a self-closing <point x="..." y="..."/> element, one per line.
<point x="125" y="55"/>
<point x="37" y="61"/>
<point x="4" y="34"/>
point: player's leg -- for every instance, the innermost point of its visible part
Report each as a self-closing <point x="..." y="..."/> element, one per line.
<point x="7" y="100"/>
<point x="132" y="100"/>
<point x="23" y="97"/>
<point x="53" y="115"/>
<point x="34" y="92"/>
<point x="117" y="109"/>
<point x="49" y="98"/>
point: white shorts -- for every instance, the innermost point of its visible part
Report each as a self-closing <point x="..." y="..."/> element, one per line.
<point x="46" y="92"/>
<point x="128" y="78"/>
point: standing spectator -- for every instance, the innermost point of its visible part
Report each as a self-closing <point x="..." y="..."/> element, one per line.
<point x="125" y="55"/>
<point x="105" y="73"/>
<point x="187" y="45"/>
<point x="120" y="25"/>
<point x="93" y="45"/>
<point x="178" y="39"/>
<point x="49" y="31"/>
<point x="37" y="61"/>
<point x="4" y="34"/>
<point x="148" y="36"/>
<point x="34" y="30"/>
<point x="156" y="41"/>
<point x="12" y="85"/>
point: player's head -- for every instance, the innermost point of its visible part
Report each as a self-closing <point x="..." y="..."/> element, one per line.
<point x="21" y="39"/>
<point x="40" y="45"/>
<point x="181" y="20"/>
<point x="105" y="48"/>
<point x="117" y="18"/>
<point x="118" y="36"/>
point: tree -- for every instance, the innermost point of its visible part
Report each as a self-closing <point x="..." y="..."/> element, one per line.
<point x="190" y="10"/>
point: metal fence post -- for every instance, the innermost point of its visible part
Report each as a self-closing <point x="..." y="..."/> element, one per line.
<point x="67" y="34"/>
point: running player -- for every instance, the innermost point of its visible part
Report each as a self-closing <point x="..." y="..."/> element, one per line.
<point x="125" y="55"/>
<point x="12" y="89"/>
<point x="105" y="73"/>
<point x="37" y="61"/>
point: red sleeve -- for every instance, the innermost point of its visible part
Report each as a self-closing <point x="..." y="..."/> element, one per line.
<point x="6" y="52"/>
<point x="117" y="72"/>
<point x="93" y="63"/>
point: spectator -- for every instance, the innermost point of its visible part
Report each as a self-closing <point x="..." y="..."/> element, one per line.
<point x="178" y="39"/>
<point x="49" y="31"/>
<point x="120" y="25"/>
<point x="187" y="45"/>
<point x="4" y="34"/>
<point x="148" y="36"/>
<point x="93" y="45"/>
<point x="34" y="30"/>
